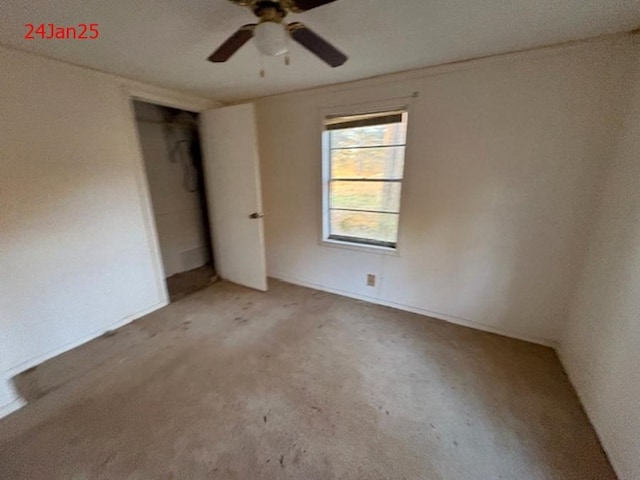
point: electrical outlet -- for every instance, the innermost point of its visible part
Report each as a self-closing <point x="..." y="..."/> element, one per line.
<point x="371" y="280"/>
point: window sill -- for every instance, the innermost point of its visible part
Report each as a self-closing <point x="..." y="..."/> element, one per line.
<point x="360" y="247"/>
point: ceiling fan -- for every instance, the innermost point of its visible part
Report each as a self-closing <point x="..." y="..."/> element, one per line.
<point x="271" y="34"/>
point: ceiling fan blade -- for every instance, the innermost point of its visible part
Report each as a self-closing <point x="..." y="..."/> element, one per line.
<point x="304" y="5"/>
<point x="233" y="44"/>
<point x="316" y="44"/>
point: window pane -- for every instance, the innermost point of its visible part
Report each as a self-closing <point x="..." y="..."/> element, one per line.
<point x="365" y="165"/>
<point x="391" y="134"/>
<point x="383" y="162"/>
<point x="381" y="227"/>
<point x="380" y="196"/>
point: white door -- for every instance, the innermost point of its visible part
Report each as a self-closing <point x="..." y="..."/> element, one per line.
<point x="232" y="174"/>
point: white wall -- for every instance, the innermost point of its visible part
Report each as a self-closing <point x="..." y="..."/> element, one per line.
<point x="502" y="160"/>
<point x="600" y="347"/>
<point x="178" y="213"/>
<point x="78" y="254"/>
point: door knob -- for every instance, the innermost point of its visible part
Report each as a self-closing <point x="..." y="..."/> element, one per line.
<point x="256" y="215"/>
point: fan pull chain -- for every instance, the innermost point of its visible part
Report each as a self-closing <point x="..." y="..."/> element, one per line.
<point x="287" y="61"/>
<point x="262" y="71"/>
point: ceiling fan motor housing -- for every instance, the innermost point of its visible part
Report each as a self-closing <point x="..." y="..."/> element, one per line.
<point x="268" y="10"/>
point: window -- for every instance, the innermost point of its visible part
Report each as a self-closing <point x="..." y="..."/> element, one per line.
<point x="363" y="168"/>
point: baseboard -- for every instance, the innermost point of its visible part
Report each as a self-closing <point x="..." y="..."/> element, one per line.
<point x="573" y="380"/>
<point x="15" y="405"/>
<point x="32" y="362"/>
<point x="413" y="309"/>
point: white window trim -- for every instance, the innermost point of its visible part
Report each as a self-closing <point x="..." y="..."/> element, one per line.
<point x="404" y="103"/>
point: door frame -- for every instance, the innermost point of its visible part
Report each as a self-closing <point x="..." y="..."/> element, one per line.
<point x="165" y="99"/>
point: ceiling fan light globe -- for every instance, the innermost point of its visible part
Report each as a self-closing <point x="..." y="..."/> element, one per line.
<point x="271" y="38"/>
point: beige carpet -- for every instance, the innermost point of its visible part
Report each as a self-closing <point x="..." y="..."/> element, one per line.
<point x="297" y="384"/>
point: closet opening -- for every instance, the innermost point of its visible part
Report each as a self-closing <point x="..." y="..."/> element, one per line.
<point x="170" y="144"/>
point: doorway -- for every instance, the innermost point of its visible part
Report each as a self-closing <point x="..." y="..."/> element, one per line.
<point x="170" y="143"/>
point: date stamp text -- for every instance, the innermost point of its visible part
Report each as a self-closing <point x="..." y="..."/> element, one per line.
<point x="51" y="31"/>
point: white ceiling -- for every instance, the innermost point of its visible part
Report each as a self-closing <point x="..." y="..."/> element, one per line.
<point x="166" y="42"/>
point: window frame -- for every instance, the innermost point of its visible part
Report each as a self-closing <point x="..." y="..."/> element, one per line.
<point x="370" y="246"/>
